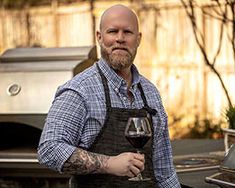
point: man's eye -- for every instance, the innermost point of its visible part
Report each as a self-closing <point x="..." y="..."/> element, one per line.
<point x="128" y="31"/>
<point x="112" y="31"/>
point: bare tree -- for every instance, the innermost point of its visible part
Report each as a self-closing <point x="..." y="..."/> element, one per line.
<point x="219" y="11"/>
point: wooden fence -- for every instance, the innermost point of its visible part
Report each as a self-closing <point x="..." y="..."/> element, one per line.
<point x="168" y="55"/>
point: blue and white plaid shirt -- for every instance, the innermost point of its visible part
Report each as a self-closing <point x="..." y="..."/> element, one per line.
<point x="78" y="113"/>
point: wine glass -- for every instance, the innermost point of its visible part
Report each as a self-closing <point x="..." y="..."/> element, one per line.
<point x="138" y="132"/>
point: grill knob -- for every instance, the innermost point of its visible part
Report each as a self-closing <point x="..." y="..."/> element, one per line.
<point x="13" y="89"/>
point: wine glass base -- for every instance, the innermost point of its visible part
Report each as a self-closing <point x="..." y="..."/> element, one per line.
<point x="139" y="179"/>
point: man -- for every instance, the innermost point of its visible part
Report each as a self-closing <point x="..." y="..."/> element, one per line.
<point x="84" y="130"/>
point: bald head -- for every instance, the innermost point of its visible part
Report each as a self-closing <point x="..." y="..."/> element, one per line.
<point x="118" y="11"/>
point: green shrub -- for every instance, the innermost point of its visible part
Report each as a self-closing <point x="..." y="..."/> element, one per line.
<point x="230" y="116"/>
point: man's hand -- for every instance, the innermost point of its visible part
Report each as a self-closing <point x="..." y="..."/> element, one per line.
<point x="125" y="164"/>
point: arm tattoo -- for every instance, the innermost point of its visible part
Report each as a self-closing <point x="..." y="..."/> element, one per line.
<point x="84" y="162"/>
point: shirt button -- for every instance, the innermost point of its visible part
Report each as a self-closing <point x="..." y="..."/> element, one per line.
<point x="116" y="89"/>
<point x="124" y="98"/>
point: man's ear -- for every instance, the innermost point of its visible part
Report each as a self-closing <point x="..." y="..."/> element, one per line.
<point x="98" y="37"/>
<point x="139" y="38"/>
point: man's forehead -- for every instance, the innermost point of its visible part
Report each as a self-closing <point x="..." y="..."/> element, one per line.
<point x="118" y="8"/>
<point x="118" y="11"/>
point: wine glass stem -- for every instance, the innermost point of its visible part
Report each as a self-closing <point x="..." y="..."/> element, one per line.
<point x="139" y="176"/>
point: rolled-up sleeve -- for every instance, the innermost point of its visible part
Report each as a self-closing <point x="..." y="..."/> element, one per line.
<point x="170" y="182"/>
<point x="164" y="170"/>
<point x="62" y="129"/>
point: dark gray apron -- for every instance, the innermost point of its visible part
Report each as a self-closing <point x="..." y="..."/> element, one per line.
<point x="111" y="141"/>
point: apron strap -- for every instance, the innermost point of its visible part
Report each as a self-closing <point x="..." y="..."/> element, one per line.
<point x="108" y="100"/>
<point x="146" y="106"/>
<point x="106" y="88"/>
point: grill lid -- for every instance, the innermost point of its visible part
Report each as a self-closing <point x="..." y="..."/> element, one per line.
<point x="47" y="54"/>
<point x="46" y="59"/>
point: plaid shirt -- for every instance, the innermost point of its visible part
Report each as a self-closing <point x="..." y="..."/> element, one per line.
<point x="78" y="113"/>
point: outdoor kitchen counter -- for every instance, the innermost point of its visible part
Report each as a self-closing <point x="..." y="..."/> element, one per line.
<point x="197" y="148"/>
<point x="191" y="146"/>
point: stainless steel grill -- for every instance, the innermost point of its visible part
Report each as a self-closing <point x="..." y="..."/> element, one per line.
<point x="30" y="77"/>
<point x="29" y="80"/>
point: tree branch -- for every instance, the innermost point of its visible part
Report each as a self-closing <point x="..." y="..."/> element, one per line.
<point x="202" y="48"/>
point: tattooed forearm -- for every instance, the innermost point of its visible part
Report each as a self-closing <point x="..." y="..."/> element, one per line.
<point x="84" y="162"/>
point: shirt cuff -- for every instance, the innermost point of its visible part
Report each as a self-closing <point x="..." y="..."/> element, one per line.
<point x="170" y="182"/>
<point x="65" y="153"/>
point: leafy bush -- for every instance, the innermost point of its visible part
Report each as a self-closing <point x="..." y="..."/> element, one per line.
<point x="230" y="116"/>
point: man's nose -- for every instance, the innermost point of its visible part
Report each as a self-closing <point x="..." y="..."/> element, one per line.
<point x="120" y="38"/>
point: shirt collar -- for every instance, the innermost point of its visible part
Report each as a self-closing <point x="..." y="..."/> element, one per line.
<point x="115" y="80"/>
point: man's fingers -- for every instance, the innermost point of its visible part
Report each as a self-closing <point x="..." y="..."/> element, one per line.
<point x="134" y="170"/>
<point x="126" y="164"/>
<point x="138" y="161"/>
<point x="139" y="157"/>
<point x="130" y="174"/>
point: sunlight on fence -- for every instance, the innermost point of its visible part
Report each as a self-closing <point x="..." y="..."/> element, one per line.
<point x="168" y="54"/>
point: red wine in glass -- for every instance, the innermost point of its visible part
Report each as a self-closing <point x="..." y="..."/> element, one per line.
<point x="138" y="141"/>
<point x="138" y="132"/>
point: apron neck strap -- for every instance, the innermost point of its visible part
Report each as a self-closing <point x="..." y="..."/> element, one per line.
<point x="108" y="100"/>
<point x="146" y="106"/>
<point x="106" y="88"/>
